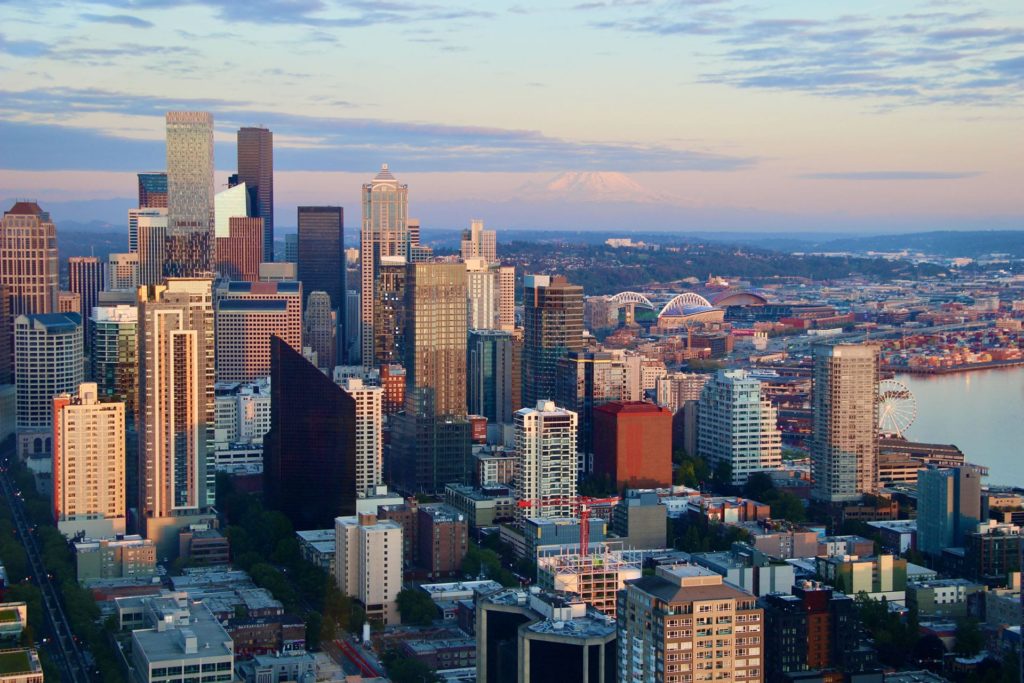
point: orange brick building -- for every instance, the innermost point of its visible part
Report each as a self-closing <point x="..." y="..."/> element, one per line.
<point x="633" y="444"/>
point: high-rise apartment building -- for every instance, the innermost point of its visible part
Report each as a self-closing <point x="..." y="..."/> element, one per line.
<point x="309" y="454"/>
<point x="368" y="563"/>
<point x="389" y="342"/>
<point x="28" y="259"/>
<point x="552" y="327"/>
<point x="737" y="427"/>
<point x="675" y="389"/>
<point x="545" y="438"/>
<point x="256" y="171"/>
<point x="190" y="204"/>
<point x="88" y="464"/>
<point x="505" y="292"/>
<point x="320" y="326"/>
<point x="113" y="364"/>
<point x="86" y="275"/>
<point x="844" y="441"/>
<point x="583" y="381"/>
<point x="480" y="292"/>
<point x="247" y="315"/>
<point x="479" y="243"/>
<point x="151" y="237"/>
<point x="633" y="444"/>
<point x="152" y="190"/>
<point x="122" y="272"/>
<point x="175" y="406"/>
<point x="369" y="434"/>
<point x="436" y="336"/>
<point x="948" y="507"/>
<point x="48" y="361"/>
<point x="685" y="624"/>
<point x="491" y="370"/>
<point x="385" y="232"/>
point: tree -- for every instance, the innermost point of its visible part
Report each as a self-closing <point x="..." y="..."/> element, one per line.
<point x="969" y="640"/>
<point x="759" y="486"/>
<point x="416" y="607"/>
<point x="788" y="506"/>
<point x="314" y="627"/>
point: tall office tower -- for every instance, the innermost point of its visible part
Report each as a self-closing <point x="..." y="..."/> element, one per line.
<point x="256" y="171"/>
<point x="480" y="286"/>
<point x="28" y="259"/>
<point x="86" y="275"/>
<point x="321" y="258"/>
<point x="737" y="427"/>
<point x="351" y="332"/>
<point x="546" y="460"/>
<point x="153" y="190"/>
<point x="48" y="361"/>
<point x="844" y="441"/>
<point x="149" y="228"/>
<point x="320" y="325"/>
<point x="428" y="452"/>
<point x="552" y="327"/>
<point x="113" y="365"/>
<point x="369" y="435"/>
<point x="247" y="315"/>
<point x="491" y="365"/>
<point x="673" y="612"/>
<point x="291" y="247"/>
<point x="479" y="243"/>
<point x="413" y="225"/>
<point x="122" y="272"/>
<point x="88" y="464"/>
<point x="389" y="343"/>
<point x="505" y="298"/>
<point x="633" y="444"/>
<point x="6" y="337"/>
<point x="436" y="336"/>
<point x="385" y="232"/>
<point x="583" y="381"/>
<point x="190" y="203"/>
<point x="948" y="507"/>
<point x="175" y="409"/>
<point x="309" y="454"/>
<point x="368" y="563"/>
<point x="230" y="203"/>
<point x="240" y="253"/>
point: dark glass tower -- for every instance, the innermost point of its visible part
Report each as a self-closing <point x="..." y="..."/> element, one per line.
<point x="256" y="170"/>
<point x="552" y="327"/>
<point x="321" y="265"/>
<point x="309" y="456"/>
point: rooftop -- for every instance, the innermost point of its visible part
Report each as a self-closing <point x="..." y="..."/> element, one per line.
<point x="18" y="661"/>
<point x="203" y="638"/>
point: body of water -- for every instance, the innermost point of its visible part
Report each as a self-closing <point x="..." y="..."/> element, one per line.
<point x="982" y="412"/>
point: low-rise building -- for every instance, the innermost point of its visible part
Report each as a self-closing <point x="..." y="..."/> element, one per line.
<point x="20" y="665"/>
<point x="942" y="598"/>
<point x="483" y="507"/>
<point x="201" y="545"/>
<point x="318" y="546"/>
<point x="897" y="536"/>
<point x="880" y="577"/>
<point x="753" y="571"/>
<point x="639" y="519"/>
<point x="13" y="620"/>
<point x="278" y="668"/>
<point x="183" y="639"/>
<point x="123" y="557"/>
<point x="442" y="540"/>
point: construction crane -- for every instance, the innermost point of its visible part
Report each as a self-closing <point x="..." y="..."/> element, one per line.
<point x="581" y="508"/>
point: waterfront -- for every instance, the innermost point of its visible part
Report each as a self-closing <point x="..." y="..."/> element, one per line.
<point x="981" y="411"/>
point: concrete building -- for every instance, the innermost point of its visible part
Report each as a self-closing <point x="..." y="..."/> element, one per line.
<point x="442" y="538"/>
<point x="745" y="567"/>
<point x="675" y="389"/>
<point x="545" y="440"/>
<point x="552" y="327"/>
<point x="247" y="315"/>
<point x="88" y="465"/>
<point x="368" y="564"/>
<point x="737" y="427"/>
<point x="278" y="272"/>
<point x="666" y="623"/>
<point x="176" y="407"/>
<point x="492" y="367"/>
<point x="949" y="507"/>
<point x="48" y="361"/>
<point x="639" y="519"/>
<point x="506" y="295"/>
<point x="941" y="598"/>
<point x="21" y="665"/>
<point x="190" y="194"/>
<point x="28" y="259"/>
<point x="483" y="507"/>
<point x="596" y="577"/>
<point x="844" y="445"/>
<point x="86" y="276"/>
<point x="69" y="302"/>
<point x="540" y="637"/>
<point x="369" y="435"/>
<point x="318" y="546"/>
<point x="242" y="412"/>
<point x="882" y="576"/>
<point x="256" y="172"/>
<point x="115" y="558"/>
<point x="151" y="228"/>
<point x="991" y="553"/>
<point x="495" y="466"/>
<point x="633" y="444"/>
<point x="182" y="635"/>
<point x="481" y="281"/>
<point x="479" y="243"/>
<point x="584" y="381"/>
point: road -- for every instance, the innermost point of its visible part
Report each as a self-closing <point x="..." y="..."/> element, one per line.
<point x="66" y="652"/>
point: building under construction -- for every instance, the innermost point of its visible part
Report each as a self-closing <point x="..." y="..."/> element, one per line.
<point x="596" y="577"/>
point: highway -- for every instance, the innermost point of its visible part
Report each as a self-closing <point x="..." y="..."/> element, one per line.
<point x="66" y="652"/>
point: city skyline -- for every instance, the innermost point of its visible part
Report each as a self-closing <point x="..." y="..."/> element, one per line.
<point x="856" y="112"/>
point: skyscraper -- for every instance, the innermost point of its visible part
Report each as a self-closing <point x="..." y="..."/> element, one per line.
<point x="48" y="362"/>
<point x="86" y="277"/>
<point x="583" y="381"/>
<point x="153" y="190"/>
<point x="175" y="407"/>
<point x="436" y="336"/>
<point x="151" y="236"/>
<point x="737" y="427"/>
<point x="844" y="441"/>
<point x="256" y="171"/>
<point x="240" y="253"/>
<point x="546" y="452"/>
<point x="321" y="257"/>
<point x="309" y="454"/>
<point x="552" y="327"/>
<point x="505" y="293"/>
<point x="28" y="259"/>
<point x="481" y="281"/>
<point x="948" y="507"/>
<point x="491" y="371"/>
<point x="122" y="272"/>
<point x="88" y="464"/>
<point x="114" y="364"/>
<point x="247" y="315"/>
<point x="6" y="337"/>
<point x="320" y="326"/>
<point x="369" y="435"/>
<point x="190" y="205"/>
<point x="385" y="232"/>
<point x="479" y="243"/>
<point x="389" y="312"/>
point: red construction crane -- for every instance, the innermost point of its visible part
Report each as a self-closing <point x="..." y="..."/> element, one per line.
<point x="581" y="508"/>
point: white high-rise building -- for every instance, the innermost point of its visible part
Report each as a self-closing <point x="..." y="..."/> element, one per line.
<point x="368" y="563"/>
<point x="88" y="464"/>
<point x="479" y="243"/>
<point x="122" y="272"/>
<point x="151" y="230"/>
<point x="369" y="437"/>
<point x="737" y="427"/>
<point x="227" y="204"/>
<point x="505" y="294"/>
<point x="676" y="388"/>
<point x="480" y="282"/>
<point x="546" y="471"/>
<point x="190" y="203"/>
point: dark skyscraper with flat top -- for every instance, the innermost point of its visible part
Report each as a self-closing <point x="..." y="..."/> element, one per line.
<point x="321" y="264"/>
<point x="256" y="170"/>
<point x="309" y="454"/>
<point x="552" y="327"/>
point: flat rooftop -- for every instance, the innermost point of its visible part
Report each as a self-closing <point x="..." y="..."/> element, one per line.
<point x="18" y="662"/>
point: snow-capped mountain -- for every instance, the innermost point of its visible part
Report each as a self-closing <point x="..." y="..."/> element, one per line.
<point x="593" y="186"/>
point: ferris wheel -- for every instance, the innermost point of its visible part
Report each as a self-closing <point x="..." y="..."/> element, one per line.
<point x="897" y="407"/>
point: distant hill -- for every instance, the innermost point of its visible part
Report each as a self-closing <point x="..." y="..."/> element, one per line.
<point x="948" y="243"/>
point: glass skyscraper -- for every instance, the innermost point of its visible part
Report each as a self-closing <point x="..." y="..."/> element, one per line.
<point x="189" y="194"/>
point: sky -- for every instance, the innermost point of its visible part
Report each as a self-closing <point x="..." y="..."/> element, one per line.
<point x="613" y="114"/>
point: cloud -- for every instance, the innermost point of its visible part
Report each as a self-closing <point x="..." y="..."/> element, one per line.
<point x="123" y="19"/>
<point x="23" y="48"/>
<point x="892" y="175"/>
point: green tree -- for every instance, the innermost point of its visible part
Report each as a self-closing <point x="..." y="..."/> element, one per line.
<point x="787" y="506"/>
<point x="968" y="639"/>
<point x="416" y="607"/>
